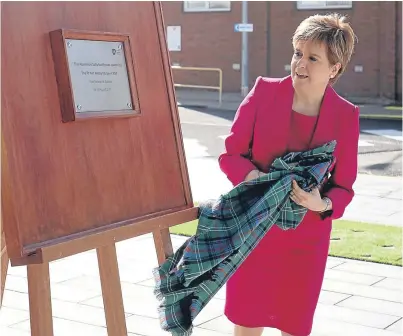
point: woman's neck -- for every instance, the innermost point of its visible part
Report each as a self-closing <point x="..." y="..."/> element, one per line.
<point x="307" y="103"/>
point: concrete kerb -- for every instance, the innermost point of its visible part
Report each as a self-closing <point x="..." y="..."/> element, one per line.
<point x="381" y="117"/>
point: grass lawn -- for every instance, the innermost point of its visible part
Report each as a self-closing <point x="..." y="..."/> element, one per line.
<point x="394" y="108"/>
<point x="353" y="240"/>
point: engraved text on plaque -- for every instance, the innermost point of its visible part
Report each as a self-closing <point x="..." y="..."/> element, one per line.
<point x="99" y="77"/>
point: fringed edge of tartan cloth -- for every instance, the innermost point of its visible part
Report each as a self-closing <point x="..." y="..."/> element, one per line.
<point x="229" y="229"/>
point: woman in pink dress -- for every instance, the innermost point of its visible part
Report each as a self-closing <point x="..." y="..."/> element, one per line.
<point x="278" y="285"/>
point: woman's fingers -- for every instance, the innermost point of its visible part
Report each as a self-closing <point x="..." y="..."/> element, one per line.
<point x="295" y="197"/>
<point x="298" y="192"/>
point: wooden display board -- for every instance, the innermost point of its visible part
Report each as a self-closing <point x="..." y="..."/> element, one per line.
<point x="92" y="151"/>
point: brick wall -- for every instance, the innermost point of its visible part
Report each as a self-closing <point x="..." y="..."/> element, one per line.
<point x="209" y="40"/>
<point x="387" y="49"/>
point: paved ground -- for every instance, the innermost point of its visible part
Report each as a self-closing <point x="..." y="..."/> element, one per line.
<point x="358" y="298"/>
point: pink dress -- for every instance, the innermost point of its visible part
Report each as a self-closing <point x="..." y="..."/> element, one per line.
<point x="278" y="285"/>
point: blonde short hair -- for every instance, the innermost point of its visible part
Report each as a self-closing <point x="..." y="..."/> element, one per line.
<point x="335" y="32"/>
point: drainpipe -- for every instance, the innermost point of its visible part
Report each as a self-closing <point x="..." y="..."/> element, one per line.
<point x="268" y="39"/>
<point x="245" y="70"/>
<point x="397" y="51"/>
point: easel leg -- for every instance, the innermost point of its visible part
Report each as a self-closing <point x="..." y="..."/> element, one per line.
<point x="111" y="290"/>
<point x="40" y="304"/>
<point x="163" y="245"/>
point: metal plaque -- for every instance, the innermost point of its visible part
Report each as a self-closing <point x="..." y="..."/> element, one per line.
<point x="99" y="77"/>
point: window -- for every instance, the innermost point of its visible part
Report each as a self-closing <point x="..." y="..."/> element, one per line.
<point x="207" y="6"/>
<point x="323" y="4"/>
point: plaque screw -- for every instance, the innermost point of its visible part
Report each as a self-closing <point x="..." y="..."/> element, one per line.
<point x="69" y="44"/>
<point x="79" y="107"/>
<point x="129" y="105"/>
<point x="119" y="46"/>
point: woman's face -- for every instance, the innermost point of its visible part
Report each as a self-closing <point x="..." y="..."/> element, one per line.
<point x="310" y="66"/>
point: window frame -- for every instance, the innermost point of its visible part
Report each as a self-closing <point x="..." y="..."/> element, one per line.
<point x="300" y="6"/>
<point x="206" y="9"/>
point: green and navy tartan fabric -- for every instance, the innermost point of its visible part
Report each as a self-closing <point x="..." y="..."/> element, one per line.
<point x="229" y="229"/>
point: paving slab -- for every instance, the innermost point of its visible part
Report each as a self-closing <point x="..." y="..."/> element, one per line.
<point x="16" y="283"/>
<point x="138" y="300"/>
<point x="86" y="282"/>
<point x="225" y="327"/>
<point x="356" y="316"/>
<point x="385" y="206"/>
<point x="322" y="327"/>
<point x="10" y="316"/>
<point x="204" y="332"/>
<point x="356" y="278"/>
<point x="15" y="300"/>
<point x="220" y="324"/>
<point x="68" y="268"/>
<point x="333" y="327"/>
<point x="6" y="331"/>
<point x="79" y="313"/>
<point x="332" y="298"/>
<point x="390" y="283"/>
<point x="372" y="305"/>
<point x="72" y="293"/>
<point x="393" y="194"/>
<point x="150" y="327"/>
<point x="396" y="327"/>
<point x="362" y="290"/>
<point x="143" y="325"/>
<point x="373" y="269"/>
<point x="64" y="327"/>
<point x="333" y="262"/>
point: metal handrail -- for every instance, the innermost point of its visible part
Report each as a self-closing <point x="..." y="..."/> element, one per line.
<point x="219" y="87"/>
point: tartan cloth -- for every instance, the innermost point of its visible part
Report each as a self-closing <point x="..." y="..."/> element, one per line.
<point x="229" y="229"/>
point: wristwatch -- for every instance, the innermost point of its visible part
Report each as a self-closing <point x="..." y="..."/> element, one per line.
<point x="327" y="200"/>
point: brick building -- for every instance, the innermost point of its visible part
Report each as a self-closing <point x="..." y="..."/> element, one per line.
<point x="206" y="38"/>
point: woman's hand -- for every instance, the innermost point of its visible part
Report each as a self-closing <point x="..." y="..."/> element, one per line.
<point x="312" y="201"/>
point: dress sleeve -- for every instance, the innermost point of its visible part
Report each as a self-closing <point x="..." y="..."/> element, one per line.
<point x="232" y="162"/>
<point x="345" y="171"/>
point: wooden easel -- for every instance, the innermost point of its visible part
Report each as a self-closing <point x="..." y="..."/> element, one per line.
<point x="147" y="201"/>
<point x="38" y="269"/>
